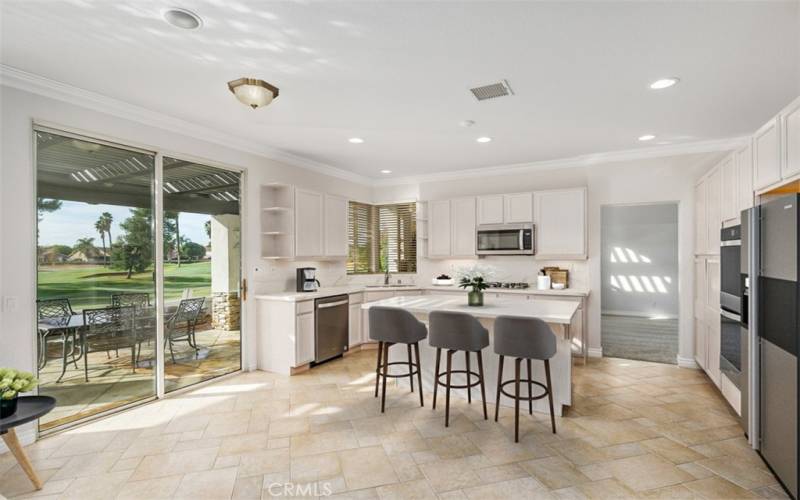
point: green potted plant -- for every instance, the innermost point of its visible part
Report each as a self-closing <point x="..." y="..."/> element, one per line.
<point x="12" y="383"/>
<point x="477" y="279"/>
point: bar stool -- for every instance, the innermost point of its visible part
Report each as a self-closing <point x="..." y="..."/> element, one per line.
<point x="524" y="338"/>
<point x="389" y="326"/>
<point x="454" y="332"/>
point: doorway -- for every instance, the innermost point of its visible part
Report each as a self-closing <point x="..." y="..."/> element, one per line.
<point x="104" y="296"/>
<point x="639" y="293"/>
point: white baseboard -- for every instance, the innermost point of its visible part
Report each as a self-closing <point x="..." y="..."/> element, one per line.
<point x="26" y="435"/>
<point x="688" y="363"/>
<point x="595" y="352"/>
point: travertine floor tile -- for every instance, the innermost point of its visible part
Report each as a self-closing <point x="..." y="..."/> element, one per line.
<point x="647" y="472"/>
<point x="716" y="487"/>
<point x="367" y="468"/>
<point x="215" y="484"/>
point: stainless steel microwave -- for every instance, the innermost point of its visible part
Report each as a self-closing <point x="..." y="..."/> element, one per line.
<point x="505" y="239"/>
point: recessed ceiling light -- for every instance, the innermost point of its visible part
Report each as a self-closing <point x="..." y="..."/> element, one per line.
<point x="355" y="140"/>
<point x="647" y="137"/>
<point x="664" y="83"/>
<point x="182" y="18"/>
<point x="484" y="139"/>
<point x="386" y="171"/>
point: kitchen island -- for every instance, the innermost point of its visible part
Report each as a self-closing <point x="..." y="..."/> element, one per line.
<point x="559" y="315"/>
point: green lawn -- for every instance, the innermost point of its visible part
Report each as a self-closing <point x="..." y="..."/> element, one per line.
<point x="92" y="286"/>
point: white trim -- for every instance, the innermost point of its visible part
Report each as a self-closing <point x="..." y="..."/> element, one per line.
<point x="687" y="363"/>
<point x="29" y="82"/>
<point x="595" y="352"/>
<point x="158" y="210"/>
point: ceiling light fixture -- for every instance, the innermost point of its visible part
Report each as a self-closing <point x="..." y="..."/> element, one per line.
<point x="252" y="92"/>
<point x="647" y="137"/>
<point x="355" y="140"/>
<point x="182" y="18"/>
<point x="386" y="171"/>
<point x="664" y="83"/>
<point x="483" y="140"/>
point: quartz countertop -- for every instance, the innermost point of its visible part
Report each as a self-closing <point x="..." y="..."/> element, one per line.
<point x="566" y="292"/>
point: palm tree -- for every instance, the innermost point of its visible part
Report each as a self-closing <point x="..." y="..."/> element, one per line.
<point x="175" y="216"/>
<point x="102" y="230"/>
<point x="85" y="246"/>
<point x="108" y="219"/>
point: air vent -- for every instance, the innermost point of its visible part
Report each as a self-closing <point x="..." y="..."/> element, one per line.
<point x="492" y="90"/>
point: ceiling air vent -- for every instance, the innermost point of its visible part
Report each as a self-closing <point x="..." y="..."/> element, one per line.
<point x="492" y="90"/>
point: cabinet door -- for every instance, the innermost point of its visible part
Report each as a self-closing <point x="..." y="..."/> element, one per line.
<point x="490" y="209"/>
<point x="790" y="125"/>
<point x="713" y="319"/>
<point x="700" y="218"/>
<point x="560" y="217"/>
<point x="766" y="155"/>
<point x="304" y="341"/>
<point x="744" y="164"/>
<point x="354" y="325"/>
<point x="335" y="228"/>
<point x="308" y="224"/>
<point x="700" y="289"/>
<point x="439" y="229"/>
<point x="463" y="220"/>
<point x="714" y="211"/>
<point x="518" y="208"/>
<point x="700" y="343"/>
<point x="730" y="191"/>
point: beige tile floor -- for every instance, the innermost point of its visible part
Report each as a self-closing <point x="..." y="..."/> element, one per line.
<point x="637" y="429"/>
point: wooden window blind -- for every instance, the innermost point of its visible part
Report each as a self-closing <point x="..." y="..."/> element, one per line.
<point x="382" y="235"/>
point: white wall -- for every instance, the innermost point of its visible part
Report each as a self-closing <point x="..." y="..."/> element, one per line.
<point x="640" y="260"/>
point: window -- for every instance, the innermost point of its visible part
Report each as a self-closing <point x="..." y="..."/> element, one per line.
<point x="382" y="235"/>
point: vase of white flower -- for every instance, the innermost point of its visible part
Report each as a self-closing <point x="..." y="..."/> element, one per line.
<point x="12" y="383"/>
<point x="474" y="278"/>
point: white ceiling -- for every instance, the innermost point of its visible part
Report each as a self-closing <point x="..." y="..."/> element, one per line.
<point x="398" y="74"/>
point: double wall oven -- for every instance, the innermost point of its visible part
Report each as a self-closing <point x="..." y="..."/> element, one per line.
<point x="732" y="302"/>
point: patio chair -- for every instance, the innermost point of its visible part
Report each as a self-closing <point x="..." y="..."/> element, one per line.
<point x="188" y="312"/>
<point x="108" y="328"/>
<point x="56" y="312"/>
<point x="145" y="319"/>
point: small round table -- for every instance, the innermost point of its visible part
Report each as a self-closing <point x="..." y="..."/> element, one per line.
<point x="29" y="408"/>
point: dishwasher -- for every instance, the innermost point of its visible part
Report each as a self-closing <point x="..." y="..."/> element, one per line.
<point x="331" y="325"/>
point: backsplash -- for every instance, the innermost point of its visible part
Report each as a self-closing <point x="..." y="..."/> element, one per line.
<point x="506" y="268"/>
<point x="280" y="275"/>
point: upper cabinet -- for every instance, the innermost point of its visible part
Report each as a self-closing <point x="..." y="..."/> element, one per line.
<point x="439" y="229"/>
<point x="790" y="126"/>
<point x="505" y="208"/>
<point x="335" y="226"/>
<point x="560" y="218"/>
<point x="308" y="212"/>
<point x="766" y="155"/>
<point x="714" y="210"/>
<point x="451" y="228"/>
<point x="743" y="158"/>
<point x="700" y="218"/>
<point x="730" y="189"/>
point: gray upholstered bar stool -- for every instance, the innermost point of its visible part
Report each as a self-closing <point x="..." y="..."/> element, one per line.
<point x="454" y="332"/>
<point x="524" y="338"/>
<point x="389" y="326"/>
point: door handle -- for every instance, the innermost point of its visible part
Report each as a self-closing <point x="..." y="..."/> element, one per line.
<point x="244" y="289"/>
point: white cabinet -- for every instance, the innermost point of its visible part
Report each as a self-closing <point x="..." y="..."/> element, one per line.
<point x="766" y="155"/>
<point x="514" y="208"/>
<point x="731" y="197"/>
<point x="439" y="229"/>
<point x="335" y="226"/>
<point x="463" y="219"/>
<point x="744" y="165"/>
<point x="790" y="126"/>
<point x="560" y="217"/>
<point x="700" y="218"/>
<point x="355" y="332"/>
<point x="713" y="210"/>
<point x="700" y="343"/>
<point x="304" y="330"/>
<point x="713" y="319"/>
<point x="308" y="223"/>
<point x="490" y="209"/>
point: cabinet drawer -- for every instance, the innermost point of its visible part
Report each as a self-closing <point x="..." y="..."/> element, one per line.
<point x="305" y="306"/>
<point x="356" y="298"/>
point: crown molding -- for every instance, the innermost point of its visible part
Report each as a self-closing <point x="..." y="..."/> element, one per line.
<point x="719" y="145"/>
<point x="29" y="82"/>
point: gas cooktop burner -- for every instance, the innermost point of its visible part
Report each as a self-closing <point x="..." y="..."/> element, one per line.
<point x="500" y="284"/>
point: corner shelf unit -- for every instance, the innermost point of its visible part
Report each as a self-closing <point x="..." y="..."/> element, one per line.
<point x="277" y="221"/>
<point x="422" y="229"/>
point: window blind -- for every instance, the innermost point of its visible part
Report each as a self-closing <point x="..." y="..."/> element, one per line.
<point x="381" y="236"/>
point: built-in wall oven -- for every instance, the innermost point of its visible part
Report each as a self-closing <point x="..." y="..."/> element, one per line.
<point x="505" y="239"/>
<point x="731" y="288"/>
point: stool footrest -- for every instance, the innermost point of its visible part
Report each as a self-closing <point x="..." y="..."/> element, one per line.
<point x="413" y="371"/>
<point x="522" y="381"/>
<point x="460" y="386"/>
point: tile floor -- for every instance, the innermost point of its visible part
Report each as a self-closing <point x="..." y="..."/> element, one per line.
<point x="637" y="429"/>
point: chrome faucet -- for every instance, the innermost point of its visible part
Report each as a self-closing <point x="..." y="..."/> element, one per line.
<point x="386" y="275"/>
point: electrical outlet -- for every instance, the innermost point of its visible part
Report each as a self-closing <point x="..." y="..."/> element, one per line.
<point x="10" y="304"/>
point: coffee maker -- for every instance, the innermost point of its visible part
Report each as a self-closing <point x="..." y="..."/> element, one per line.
<point x="306" y="279"/>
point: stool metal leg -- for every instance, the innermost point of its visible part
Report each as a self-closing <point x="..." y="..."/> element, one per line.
<point x="410" y="368"/>
<point x="517" y="364"/>
<point x="436" y="376"/>
<point x="499" y="386"/>
<point x="447" y="389"/>
<point x="483" y="387"/>
<point x="419" y="373"/>
<point x="469" y="389"/>
<point x="378" y="368"/>
<point x="530" y="388"/>
<point x="550" y="393"/>
<point x="385" y="378"/>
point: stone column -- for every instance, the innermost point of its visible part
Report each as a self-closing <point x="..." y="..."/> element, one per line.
<point x="225" y="271"/>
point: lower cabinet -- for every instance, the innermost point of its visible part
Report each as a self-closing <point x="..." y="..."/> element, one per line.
<point x="285" y="334"/>
<point x="354" y="320"/>
<point x="304" y="345"/>
<point x="707" y="327"/>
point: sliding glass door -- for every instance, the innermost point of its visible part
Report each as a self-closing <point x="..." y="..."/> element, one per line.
<point x="97" y="274"/>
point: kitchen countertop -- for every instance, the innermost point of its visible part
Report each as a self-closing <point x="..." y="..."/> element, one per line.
<point x="339" y="290"/>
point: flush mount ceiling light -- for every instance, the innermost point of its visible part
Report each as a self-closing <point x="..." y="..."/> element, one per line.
<point x="252" y="92"/>
<point x="182" y="18"/>
<point x="355" y="140"/>
<point x="647" y="137"/>
<point x="664" y="83"/>
<point x="386" y="171"/>
<point x="484" y="140"/>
